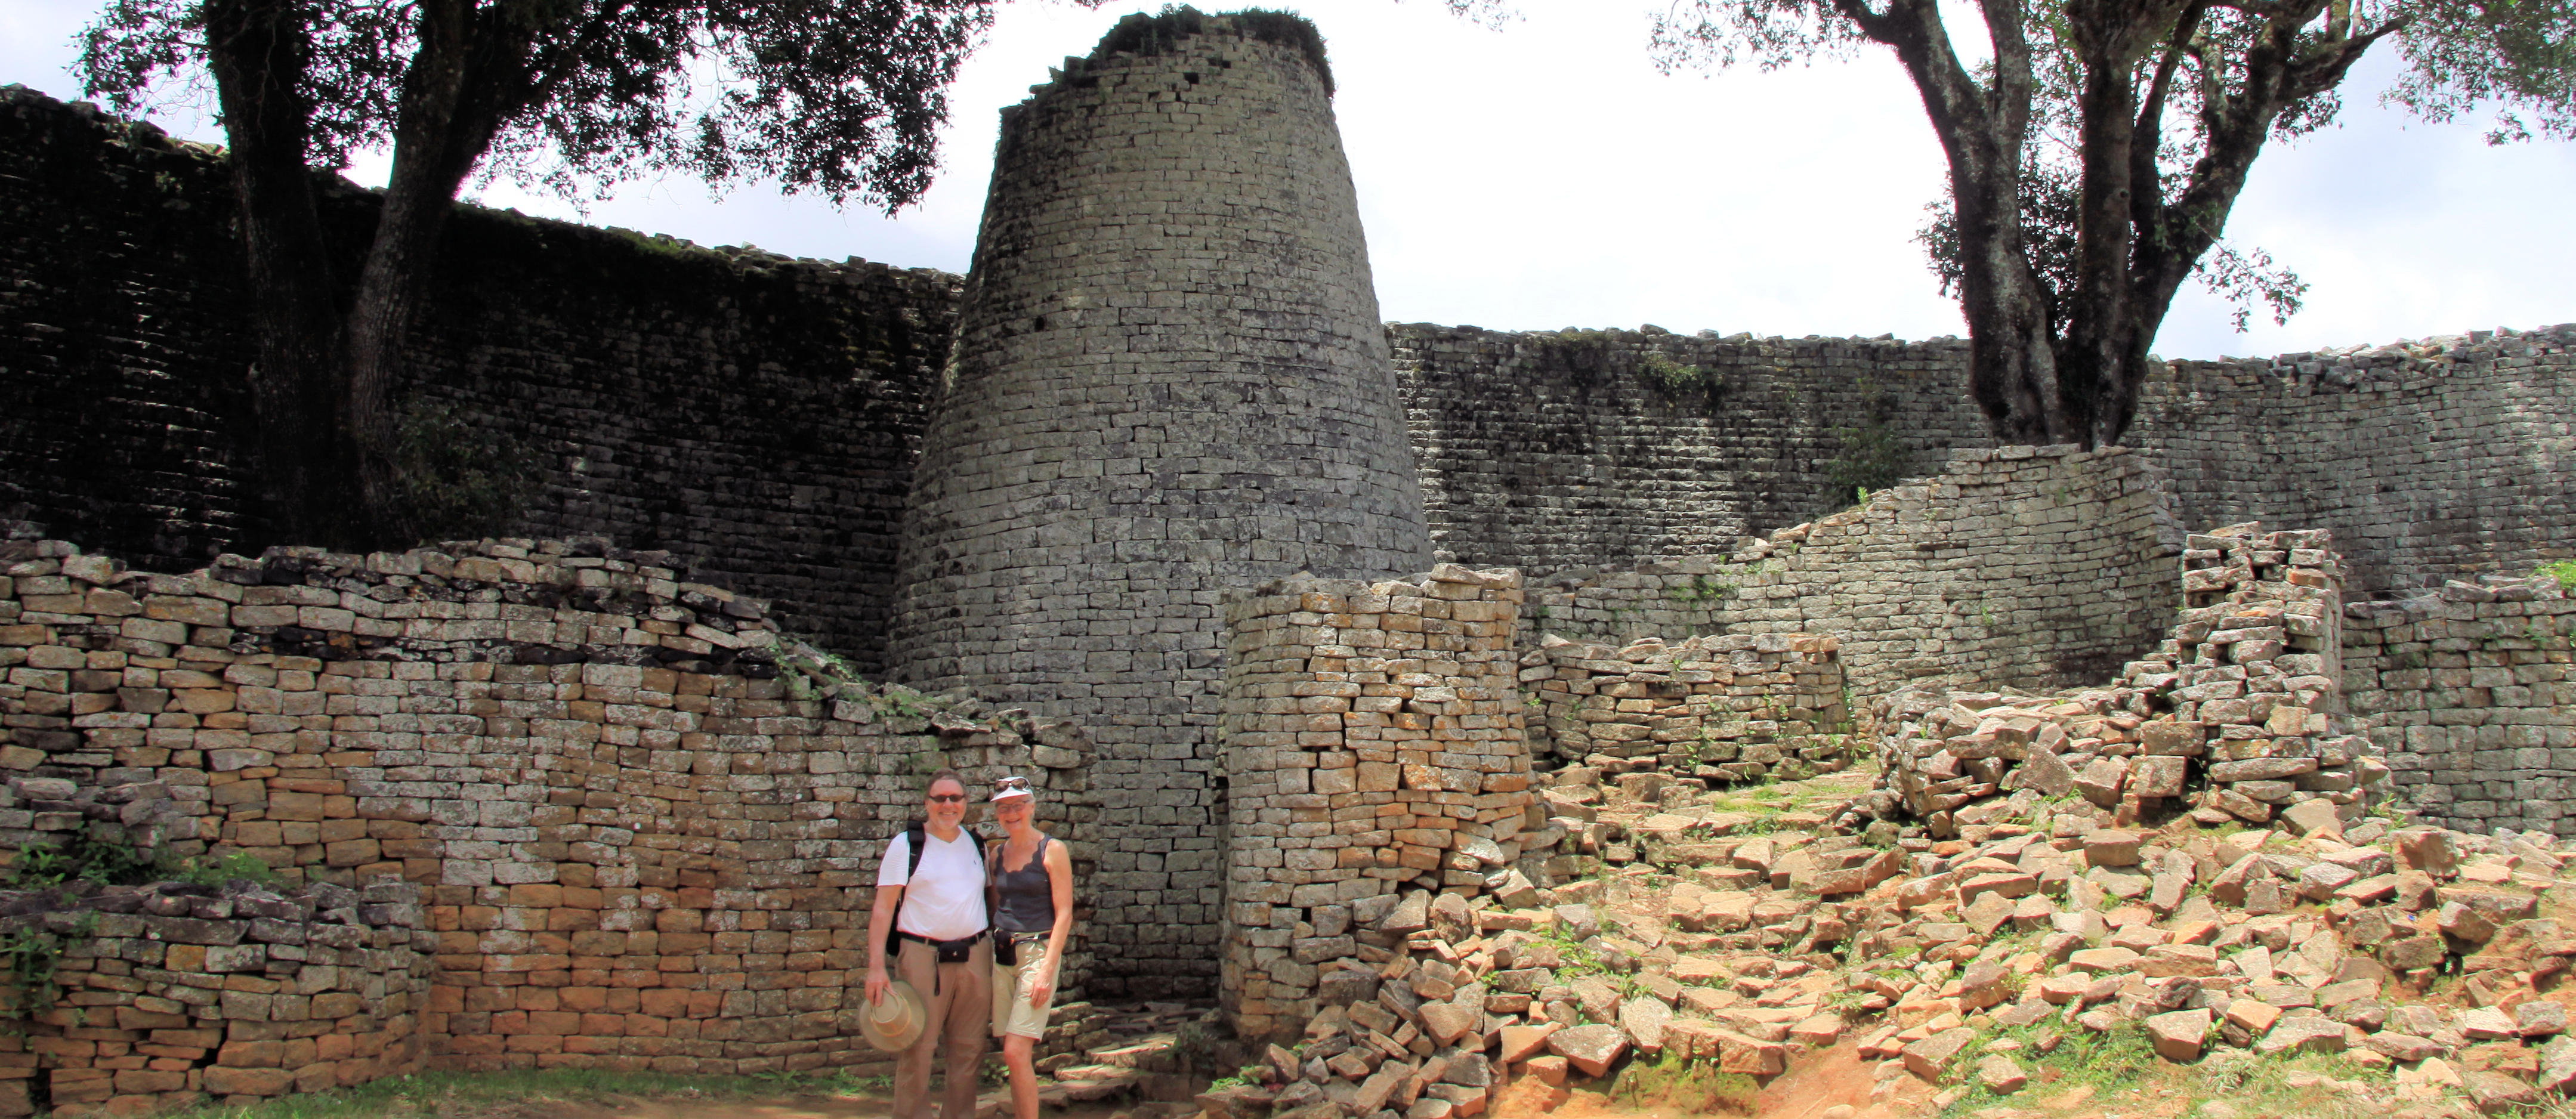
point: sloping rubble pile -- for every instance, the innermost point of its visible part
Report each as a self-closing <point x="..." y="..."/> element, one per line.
<point x="2432" y="960"/>
<point x="1703" y="935"/>
<point x="2232" y="710"/>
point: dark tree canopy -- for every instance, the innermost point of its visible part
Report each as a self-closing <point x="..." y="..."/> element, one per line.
<point x="841" y="98"/>
<point x="2096" y="148"/>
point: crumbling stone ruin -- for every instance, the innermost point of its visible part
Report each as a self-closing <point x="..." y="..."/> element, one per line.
<point x="1457" y="710"/>
<point x="590" y="814"/>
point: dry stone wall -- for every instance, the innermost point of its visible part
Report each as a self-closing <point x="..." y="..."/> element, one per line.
<point x="170" y="994"/>
<point x="1573" y="449"/>
<point x="1373" y="742"/>
<point x="1565" y="450"/>
<point x="756" y="414"/>
<point x="2429" y="460"/>
<point x="1717" y="709"/>
<point x="2033" y="567"/>
<point x="645" y="824"/>
<point x="2469" y="694"/>
<point x="1170" y="380"/>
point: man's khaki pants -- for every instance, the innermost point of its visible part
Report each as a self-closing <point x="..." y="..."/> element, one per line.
<point x="961" y="1008"/>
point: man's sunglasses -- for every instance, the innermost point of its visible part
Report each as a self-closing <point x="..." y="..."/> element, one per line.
<point x="948" y="798"/>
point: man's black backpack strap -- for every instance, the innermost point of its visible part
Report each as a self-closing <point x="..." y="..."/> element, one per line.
<point x="912" y="837"/>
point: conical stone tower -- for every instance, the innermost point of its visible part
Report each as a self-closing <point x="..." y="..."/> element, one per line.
<point x="1170" y="380"/>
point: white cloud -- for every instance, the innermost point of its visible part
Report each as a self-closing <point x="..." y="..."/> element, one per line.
<point x="1544" y="176"/>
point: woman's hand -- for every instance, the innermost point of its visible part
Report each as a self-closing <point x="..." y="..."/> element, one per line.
<point x="877" y="985"/>
<point x="1043" y="985"/>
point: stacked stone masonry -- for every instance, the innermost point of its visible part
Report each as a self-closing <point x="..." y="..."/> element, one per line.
<point x="172" y="994"/>
<point x="1170" y="380"/>
<point x="2034" y="567"/>
<point x="2469" y="694"/>
<point x="1719" y="710"/>
<point x="2429" y="460"/>
<point x="646" y="825"/>
<point x="761" y="415"/>
<point x="1554" y="451"/>
<point x="1373" y="742"/>
<point x="756" y="414"/>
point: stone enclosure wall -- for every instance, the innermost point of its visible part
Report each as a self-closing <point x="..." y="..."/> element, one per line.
<point x="1720" y="709"/>
<point x="169" y="994"/>
<point x="2033" y="567"/>
<point x="644" y="827"/>
<point x="2433" y="460"/>
<point x="759" y="416"/>
<point x="2469" y="694"/>
<point x="753" y="414"/>
<point x="1373" y="743"/>
<point x="1555" y="451"/>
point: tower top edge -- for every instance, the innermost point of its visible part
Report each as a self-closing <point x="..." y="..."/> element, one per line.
<point x="1139" y="35"/>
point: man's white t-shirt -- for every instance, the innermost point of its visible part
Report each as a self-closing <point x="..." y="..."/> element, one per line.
<point x="944" y="900"/>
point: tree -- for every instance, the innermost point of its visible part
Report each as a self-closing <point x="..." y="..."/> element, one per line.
<point x="840" y="97"/>
<point x="2096" y="152"/>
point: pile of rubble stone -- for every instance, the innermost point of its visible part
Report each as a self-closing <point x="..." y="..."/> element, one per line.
<point x="2232" y="708"/>
<point x="1733" y="939"/>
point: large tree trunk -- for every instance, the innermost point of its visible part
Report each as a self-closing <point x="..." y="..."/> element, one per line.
<point x="258" y="52"/>
<point x="2012" y="367"/>
<point x="434" y="148"/>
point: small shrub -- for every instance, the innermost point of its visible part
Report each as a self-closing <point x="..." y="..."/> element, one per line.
<point x="31" y="956"/>
<point x="461" y="478"/>
<point x="1676" y="379"/>
<point x="1873" y="458"/>
<point x="229" y="867"/>
<point x="86" y="859"/>
<point x="2564" y="571"/>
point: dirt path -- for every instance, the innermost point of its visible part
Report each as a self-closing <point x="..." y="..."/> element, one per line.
<point x="866" y="1105"/>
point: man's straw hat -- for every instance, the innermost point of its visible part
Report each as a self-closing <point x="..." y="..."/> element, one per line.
<point x="894" y="1022"/>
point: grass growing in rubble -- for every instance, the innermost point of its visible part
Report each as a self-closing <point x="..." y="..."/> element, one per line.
<point x="457" y="1095"/>
<point x="1675" y="1083"/>
<point x="2108" y="1063"/>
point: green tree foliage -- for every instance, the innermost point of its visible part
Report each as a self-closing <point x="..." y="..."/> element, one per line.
<point x="841" y="98"/>
<point x="2097" y="146"/>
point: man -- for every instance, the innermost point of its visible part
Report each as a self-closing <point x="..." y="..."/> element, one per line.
<point x="936" y="910"/>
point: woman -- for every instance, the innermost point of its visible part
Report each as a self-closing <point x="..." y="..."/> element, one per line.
<point x="1032" y="916"/>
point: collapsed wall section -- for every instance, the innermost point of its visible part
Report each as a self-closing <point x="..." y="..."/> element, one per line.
<point x="1170" y="380"/>
<point x="645" y="824"/>
<point x="2034" y="567"/>
<point x="755" y="413"/>
<point x="2236" y="711"/>
<point x="1373" y="743"/>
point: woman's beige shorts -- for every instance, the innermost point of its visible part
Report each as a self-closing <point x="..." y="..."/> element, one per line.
<point x="1012" y="1011"/>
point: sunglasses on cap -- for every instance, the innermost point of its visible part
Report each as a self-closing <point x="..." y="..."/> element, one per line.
<point x="1012" y="787"/>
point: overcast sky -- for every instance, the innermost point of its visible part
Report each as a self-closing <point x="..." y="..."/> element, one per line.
<point x="1544" y="175"/>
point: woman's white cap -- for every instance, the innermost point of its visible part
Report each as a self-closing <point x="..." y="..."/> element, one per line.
<point x="1009" y="787"/>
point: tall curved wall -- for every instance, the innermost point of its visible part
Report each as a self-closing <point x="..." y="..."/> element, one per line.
<point x="1170" y="379"/>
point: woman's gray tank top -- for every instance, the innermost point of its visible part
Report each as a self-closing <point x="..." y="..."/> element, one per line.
<point x="1028" y="895"/>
